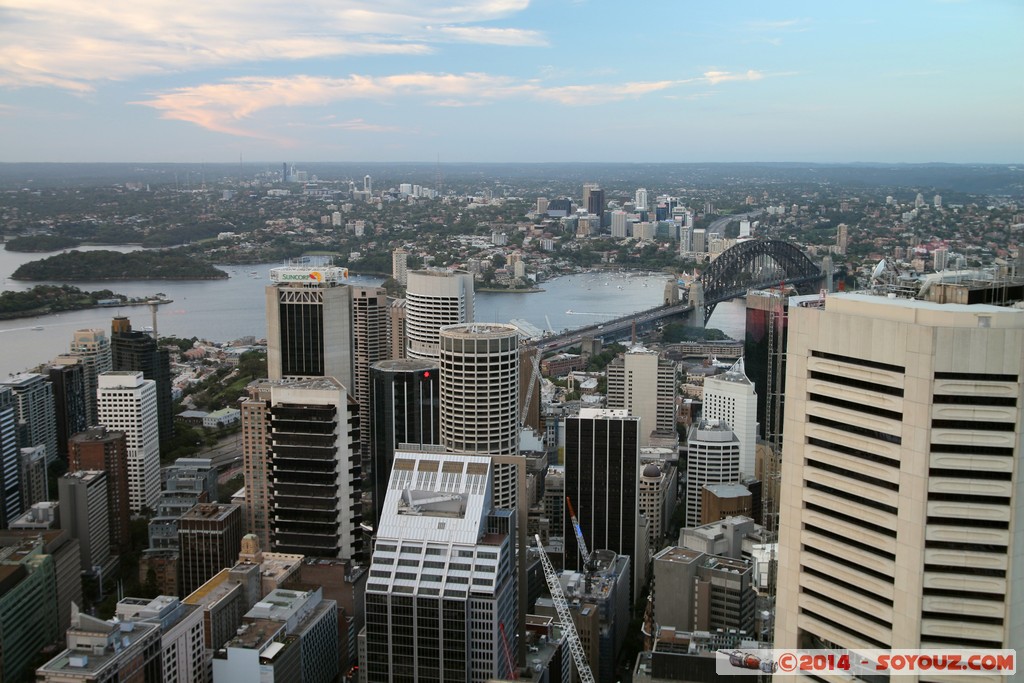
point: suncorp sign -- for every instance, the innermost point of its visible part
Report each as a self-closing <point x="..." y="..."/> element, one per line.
<point x="309" y="275"/>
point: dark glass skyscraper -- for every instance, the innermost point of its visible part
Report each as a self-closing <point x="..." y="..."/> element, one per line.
<point x="137" y="351"/>
<point x="602" y="455"/>
<point x="405" y="408"/>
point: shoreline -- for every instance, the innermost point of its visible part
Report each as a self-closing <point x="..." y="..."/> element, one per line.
<point x="39" y="313"/>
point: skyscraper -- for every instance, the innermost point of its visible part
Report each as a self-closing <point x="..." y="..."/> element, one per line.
<point x="135" y="351"/>
<point x="730" y="397"/>
<point x="10" y="466"/>
<point x="480" y="397"/>
<point x="404" y="409"/>
<point x="442" y="581"/>
<point x="435" y="298"/>
<point x="126" y="402"/>
<point x="315" y="488"/>
<point x="367" y="184"/>
<point x="309" y="323"/>
<point x="645" y="386"/>
<point x="397" y="314"/>
<point x="35" y="412"/>
<point x="640" y="199"/>
<point x="255" y="419"/>
<point x="602" y="458"/>
<point x="900" y="476"/>
<point x="100" y="449"/>
<point x="712" y="457"/>
<point x="69" y="385"/>
<point x="84" y="513"/>
<point x="400" y="266"/>
<point x="92" y="348"/>
<point x="370" y="323"/>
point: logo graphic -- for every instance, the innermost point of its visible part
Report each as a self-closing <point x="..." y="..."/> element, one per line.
<point x="316" y="275"/>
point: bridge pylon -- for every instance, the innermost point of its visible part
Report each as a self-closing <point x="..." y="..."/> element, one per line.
<point x="695" y="297"/>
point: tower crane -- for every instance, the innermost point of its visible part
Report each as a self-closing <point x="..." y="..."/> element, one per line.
<point x="534" y="374"/>
<point x="513" y="671"/>
<point x="579" y="534"/>
<point x="565" y="616"/>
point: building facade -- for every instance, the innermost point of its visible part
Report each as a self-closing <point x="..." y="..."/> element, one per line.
<point x="443" y="576"/>
<point x="480" y="397"/>
<point x="901" y="476"/>
<point x="644" y="385"/>
<point x="35" y="412"/>
<point x="730" y="397"/>
<point x="137" y="351"/>
<point x="100" y="449"/>
<point x="209" y="539"/>
<point x="127" y="403"/>
<point x="712" y="457"/>
<point x="434" y="299"/>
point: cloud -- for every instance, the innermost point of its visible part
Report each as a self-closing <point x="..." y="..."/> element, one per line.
<point x="72" y="45"/>
<point x="231" y="106"/>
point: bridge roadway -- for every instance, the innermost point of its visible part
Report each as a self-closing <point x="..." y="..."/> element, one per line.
<point x="612" y="328"/>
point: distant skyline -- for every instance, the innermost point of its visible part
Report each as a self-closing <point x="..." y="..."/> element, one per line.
<point x="511" y="81"/>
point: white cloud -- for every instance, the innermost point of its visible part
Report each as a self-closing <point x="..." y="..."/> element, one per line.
<point x="72" y="45"/>
<point x="231" y="106"/>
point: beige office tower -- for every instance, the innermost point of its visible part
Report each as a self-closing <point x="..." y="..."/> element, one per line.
<point x="901" y="522"/>
<point x="479" y="370"/>
<point x="397" y="313"/>
<point x="433" y="299"/>
<point x="400" y="266"/>
<point x="643" y="384"/>
<point x="370" y="322"/>
<point x="309" y="323"/>
<point x="255" y="418"/>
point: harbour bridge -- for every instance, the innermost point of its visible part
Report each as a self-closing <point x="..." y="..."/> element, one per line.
<point x="753" y="264"/>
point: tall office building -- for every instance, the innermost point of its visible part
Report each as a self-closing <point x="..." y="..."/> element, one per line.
<point x="309" y="323"/>
<point x="443" y="580"/>
<point x="367" y="184"/>
<point x="730" y="397"/>
<point x="400" y="266"/>
<point x="35" y="412"/>
<point x="644" y="385"/>
<point x="369" y="344"/>
<point x="28" y="605"/>
<point x="126" y="402"/>
<point x="842" y="238"/>
<point x="135" y="351"/>
<point x="315" y="486"/>
<point x="397" y="314"/>
<point x="209" y="539"/>
<point x="10" y="467"/>
<point x="712" y="457"/>
<point x="84" y="514"/>
<point x="69" y="404"/>
<point x="595" y="202"/>
<point x="93" y="349"/>
<point x="480" y="397"/>
<point x="100" y="449"/>
<point x="602" y="459"/>
<point x="255" y="419"/>
<point x="435" y="298"/>
<point x="404" y="409"/>
<point x="901" y="478"/>
<point x="640" y="199"/>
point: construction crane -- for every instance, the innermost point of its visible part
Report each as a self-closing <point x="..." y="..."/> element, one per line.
<point x="529" y="388"/>
<point x="513" y="671"/>
<point x="579" y="534"/>
<point x="565" y="616"/>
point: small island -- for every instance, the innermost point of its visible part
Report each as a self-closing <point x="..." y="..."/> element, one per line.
<point x="44" y="299"/>
<point x="74" y="266"/>
<point x="40" y="243"/>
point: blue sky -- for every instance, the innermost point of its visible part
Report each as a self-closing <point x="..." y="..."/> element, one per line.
<point x="511" y="80"/>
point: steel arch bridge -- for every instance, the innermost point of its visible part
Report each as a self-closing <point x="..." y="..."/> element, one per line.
<point x="756" y="264"/>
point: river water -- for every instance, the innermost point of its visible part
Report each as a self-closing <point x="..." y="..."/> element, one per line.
<point x="224" y="310"/>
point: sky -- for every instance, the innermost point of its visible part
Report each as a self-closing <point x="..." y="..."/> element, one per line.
<point x="511" y="81"/>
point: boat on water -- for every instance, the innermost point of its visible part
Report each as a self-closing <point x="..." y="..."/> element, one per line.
<point x="37" y="328"/>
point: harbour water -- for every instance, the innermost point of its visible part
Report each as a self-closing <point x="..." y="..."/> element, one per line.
<point x="224" y="310"/>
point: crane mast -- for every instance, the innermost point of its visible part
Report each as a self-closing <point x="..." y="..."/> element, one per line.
<point x="565" y="616"/>
<point x="579" y="534"/>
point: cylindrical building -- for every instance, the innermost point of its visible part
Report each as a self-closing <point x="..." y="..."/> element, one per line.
<point x="480" y="396"/>
<point x="435" y="299"/>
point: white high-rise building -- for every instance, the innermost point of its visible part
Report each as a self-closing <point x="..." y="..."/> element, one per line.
<point x="125" y="402"/>
<point x="901" y="515"/>
<point x="641" y="199"/>
<point x="730" y="397"/>
<point x="644" y="385"/>
<point x="443" y="577"/>
<point x="435" y="298"/>
<point x="712" y="457"/>
<point x="479" y="383"/>
<point x="315" y="489"/>
<point x="93" y="348"/>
